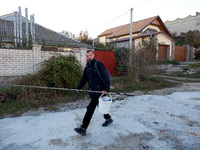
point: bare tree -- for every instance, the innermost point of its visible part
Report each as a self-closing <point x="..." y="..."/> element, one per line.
<point x="69" y="34"/>
<point x="141" y="63"/>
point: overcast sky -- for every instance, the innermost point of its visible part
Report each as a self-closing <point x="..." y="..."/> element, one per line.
<point x="98" y="15"/>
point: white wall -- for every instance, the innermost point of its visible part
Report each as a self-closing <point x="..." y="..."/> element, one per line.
<point x="17" y="62"/>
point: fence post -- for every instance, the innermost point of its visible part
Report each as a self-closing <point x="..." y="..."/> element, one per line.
<point x="187" y="52"/>
<point x="173" y="51"/>
<point x="83" y="56"/>
<point x="36" y="56"/>
<point x="192" y="54"/>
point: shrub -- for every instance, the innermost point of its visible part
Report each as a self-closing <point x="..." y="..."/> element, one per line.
<point x="197" y="54"/>
<point x="194" y="65"/>
<point x="122" y="54"/>
<point x="61" y="71"/>
<point x="143" y="60"/>
<point x="174" y="62"/>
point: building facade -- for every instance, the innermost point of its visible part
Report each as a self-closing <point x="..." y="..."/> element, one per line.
<point x="142" y="30"/>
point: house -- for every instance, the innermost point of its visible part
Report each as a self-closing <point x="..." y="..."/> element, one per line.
<point x="143" y="29"/>
<point x="183" y="25"/>
<point x="42" y="34"/>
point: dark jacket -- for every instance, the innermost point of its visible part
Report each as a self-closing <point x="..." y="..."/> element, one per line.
<point x="91" y="76"/>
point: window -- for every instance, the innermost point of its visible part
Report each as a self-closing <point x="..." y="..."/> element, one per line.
<point x="149" y="30"/>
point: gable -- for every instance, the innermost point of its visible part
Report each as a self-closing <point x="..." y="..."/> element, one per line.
<point x="10" y="17"/>
<point x="150" y="28"/>
<point x="156" y="22"/>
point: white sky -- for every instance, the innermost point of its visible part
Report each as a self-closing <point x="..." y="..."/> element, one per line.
<point x="98" y="15"/>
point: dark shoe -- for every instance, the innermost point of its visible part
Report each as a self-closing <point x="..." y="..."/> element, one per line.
<point x="107" y="122"/>
<point x="81" y="131"/>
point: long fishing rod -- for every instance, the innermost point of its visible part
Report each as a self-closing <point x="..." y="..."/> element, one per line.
<point x="67" y="89"/>
<point x="64" y="89"/>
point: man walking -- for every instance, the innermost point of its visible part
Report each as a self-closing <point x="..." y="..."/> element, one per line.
<point x="95" y="82"/>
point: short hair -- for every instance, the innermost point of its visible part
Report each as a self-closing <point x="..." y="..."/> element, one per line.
<point x="88" y="51"/>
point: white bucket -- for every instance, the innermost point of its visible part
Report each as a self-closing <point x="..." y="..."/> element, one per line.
<point x="104" y="104"/>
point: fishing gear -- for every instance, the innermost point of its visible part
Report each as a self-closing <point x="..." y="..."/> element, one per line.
<point x="67" y="89"/>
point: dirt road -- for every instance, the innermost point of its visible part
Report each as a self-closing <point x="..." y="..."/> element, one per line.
<point x="158" y="120"/>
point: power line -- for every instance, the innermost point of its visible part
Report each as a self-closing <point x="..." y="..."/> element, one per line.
<point x="120" y="16"/>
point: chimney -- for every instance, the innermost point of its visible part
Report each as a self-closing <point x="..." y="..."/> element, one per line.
<point x="15" y="28"/>
<point x="26" y="11"/>
<point x="197" y="13"/>
<point x="33" y="28"/>
<point x="20" y="26"/>
<point x="32" y="23"/>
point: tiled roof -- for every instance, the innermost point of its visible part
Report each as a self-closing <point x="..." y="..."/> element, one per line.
<point x="50" y="36"/>
<point x="136" y="28"/>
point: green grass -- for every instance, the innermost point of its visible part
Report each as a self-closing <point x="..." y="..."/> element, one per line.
<point x="195" y="75"/>
<point x="123" y="84"/>
<point x="174" y="62"/>
<point x="21" y="100"/>
<point x="12" y="107"/>
<point x="194" y="65"/>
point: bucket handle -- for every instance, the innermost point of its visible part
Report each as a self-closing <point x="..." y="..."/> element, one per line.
<point x="107" y="94"/>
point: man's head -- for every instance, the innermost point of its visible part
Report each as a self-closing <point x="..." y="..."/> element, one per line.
<point x="90" y="55"/>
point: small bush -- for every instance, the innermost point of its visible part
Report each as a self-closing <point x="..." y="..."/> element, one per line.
<point x="143" y="60"/>
<point x="194" y="65"/>
<point x="61" y="71"/>
<point x="174" y="62"/>
<point x="197" y="54"/>
<point x="122" y="54"/>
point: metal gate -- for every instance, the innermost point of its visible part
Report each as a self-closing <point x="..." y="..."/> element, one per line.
<point x="108" y="59"/>
<point x="162" y="52"/>
<point x="180" y="53"/>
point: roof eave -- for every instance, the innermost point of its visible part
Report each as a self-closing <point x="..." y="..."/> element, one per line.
<point x="146" y="35"/>
<point x="122" y="35"/>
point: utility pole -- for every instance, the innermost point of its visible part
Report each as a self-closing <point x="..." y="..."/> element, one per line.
<point x="131" y="31"/>
<point x="93" y="43"/>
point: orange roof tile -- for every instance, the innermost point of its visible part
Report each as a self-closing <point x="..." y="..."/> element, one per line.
<point x="125" y="29"/>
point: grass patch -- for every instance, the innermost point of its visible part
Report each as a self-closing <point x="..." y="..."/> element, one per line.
<point x="194" y="65"/>
<point x="195" y="75"/>
<point x="23" y="99"/>
<point x="12" y="107"/>
<point x="123" y="84"/>
<point x="174" y="62"/>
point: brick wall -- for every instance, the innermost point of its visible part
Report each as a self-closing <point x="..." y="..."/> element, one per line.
<point x="17" y="62"/>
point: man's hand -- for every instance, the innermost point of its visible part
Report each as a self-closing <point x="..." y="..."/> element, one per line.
<point x="105" y="92"/>
<point x="77" y="91"/>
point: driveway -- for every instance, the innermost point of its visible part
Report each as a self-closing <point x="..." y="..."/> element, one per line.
<point x="152" y="121"/>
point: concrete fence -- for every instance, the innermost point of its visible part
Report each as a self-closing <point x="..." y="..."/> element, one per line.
<point x="17" y="62"/>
